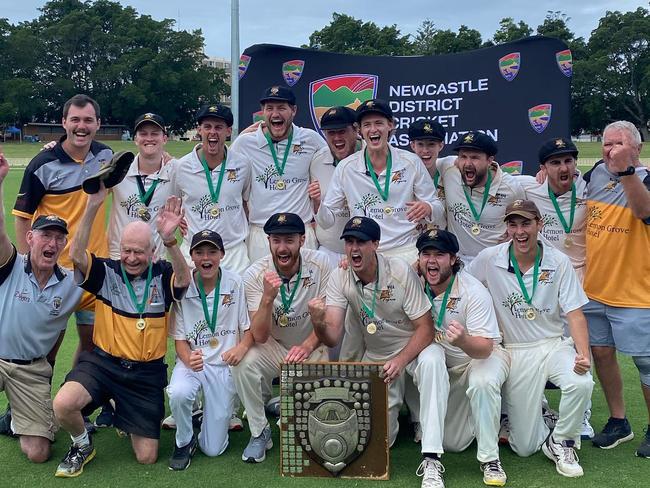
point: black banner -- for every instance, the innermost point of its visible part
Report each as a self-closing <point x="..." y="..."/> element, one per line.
<point x="518" y="93"/>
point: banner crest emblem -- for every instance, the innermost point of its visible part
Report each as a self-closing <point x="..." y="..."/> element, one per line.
<point x="540" y="116"/>
<point x="292" y="71"/>
<point x="509" y="65"/>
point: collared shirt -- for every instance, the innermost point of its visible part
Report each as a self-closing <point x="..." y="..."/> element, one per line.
<point x="115" y="330"/>
<point x="126" y="204"/>
<point x="190" y="183"/>
<point x="470" y="304"/>
<point x="504" y="190"/>
<point x="553" y="231"/>
<point x="558" y="291"/>
<point x="409" y="181"/>
<point x="189" y="323"/>
<point x="315" y="273"/>
<point x="271" y="193"/>
<point x="399" y="300"/>
<point x="31" y="319"/>
<point x="52" y="185"/>
<point x="322" y="169"/>
<point x="618" y="266"/>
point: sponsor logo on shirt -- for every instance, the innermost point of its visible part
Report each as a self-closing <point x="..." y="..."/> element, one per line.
<point x="22" y="296"/>
<point x="133" y="203"/>
<point x="546" y="276"/>
<point x="56" y="305"/>
<point x="232" y="175"/>
<point x="497" y="199"/>
<point x="399" y="176"/>
<point x="227" y="300"/>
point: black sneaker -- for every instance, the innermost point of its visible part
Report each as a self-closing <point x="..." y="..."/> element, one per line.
<point x="74" y="461"/>
<point x="5" y="423"/>
<point x="182" y="456"/>
<point x="644" y="449"/>
<point x="105" y="417"/>
<point x="614" y="433"/>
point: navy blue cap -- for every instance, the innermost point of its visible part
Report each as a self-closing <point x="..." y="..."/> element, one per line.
<point x="362" y="228"/>
<point x="50" y="222"/>
<point x="338" y="118"/>
<point x="278" y="93"/>
<point x="150" y="118"/>
<point x="439" y="239"/>
<point x="558" y="145"/>
<point x="478" y="141"/>
<point x="426" y="129"/>
<point x="207" y="237"/>
<point x="284" y="223"/>
<point x="218" y="111"/>
<point x="375" y="106"/>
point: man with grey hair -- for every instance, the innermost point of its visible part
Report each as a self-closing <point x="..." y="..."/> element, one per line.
<point x="618" y="274"/>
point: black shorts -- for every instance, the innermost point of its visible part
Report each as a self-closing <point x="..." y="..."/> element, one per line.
<point x="136" y="387"/>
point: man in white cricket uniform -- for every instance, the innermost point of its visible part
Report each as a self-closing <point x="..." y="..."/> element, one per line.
<point x="214" y="183"/>
<point x="210" y="329"/>
<point x="532" y="285"/>
<point x="278" y="288"/>
<point x="384" y="183"/>
<point x="145" y="188"/>
<point x="390" y="322"/>
<point x="467" y="329"/>
<point x="477" y="192"/>
<point x="279" y="154"/>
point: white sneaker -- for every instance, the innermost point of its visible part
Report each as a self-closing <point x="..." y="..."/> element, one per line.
<point x="587" y="430"/>
<point x="235" y="423"/>
<point x="564" y="456"/>
<point x="169" y="423"/>
<point x="504" y="431"/>
<point x="417" y="432"/>
<point x="493" y="473"/>
<point x="431" y="471"/>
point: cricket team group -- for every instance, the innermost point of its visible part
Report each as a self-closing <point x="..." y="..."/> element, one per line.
<point x="476" y="289"/>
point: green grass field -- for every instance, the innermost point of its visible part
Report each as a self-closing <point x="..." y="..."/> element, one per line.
<point x="115" y="464"/>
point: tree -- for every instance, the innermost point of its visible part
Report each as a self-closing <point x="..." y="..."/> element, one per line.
<point x="345" y="34"/>
<point x="509" y="31"/>
<point x="555" y="25"/>
<point x="430" y="40"/>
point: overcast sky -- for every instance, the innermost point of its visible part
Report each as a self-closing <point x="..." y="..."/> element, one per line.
<point x="290" y="22"/>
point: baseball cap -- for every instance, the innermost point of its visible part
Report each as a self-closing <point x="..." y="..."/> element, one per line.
<point x="558" y="145"/>
<point x="50" y="222"/>
<point x="338" y="118"/>
<point x="207" y="237"/>
<point x="111" y="172"/>
<point x="362" y="228"/>
<point x="218" y="111"/>
<point x="522" y="208"/>
<point x="151" y="118"/>
<point x="478" y="141"/>
<point x="439" y="239"/>
<point x="278" y="94"/>
<point x="426" y="129"/>
<point x="376" y="106"/>
<point x="284" y="223"/>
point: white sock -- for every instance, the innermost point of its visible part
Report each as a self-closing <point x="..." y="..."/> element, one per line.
<point x="81" y="440"/>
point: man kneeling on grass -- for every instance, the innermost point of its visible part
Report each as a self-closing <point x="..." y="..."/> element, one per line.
<point x="127" y="364"/>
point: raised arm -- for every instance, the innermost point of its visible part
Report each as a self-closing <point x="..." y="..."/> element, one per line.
<point x="168" y="221"/>
<point x="6" y="249"/>
<point x="79" y="244"/>
<point x="262" y="318"/>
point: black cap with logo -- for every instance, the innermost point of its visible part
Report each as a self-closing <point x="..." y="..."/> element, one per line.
<point x="111" y="172"/>
<point x="362" y="228"/>
<point x="478" y="141"/>
<point x="338" y="118"/>
<point x="50" y="222"/>
<point x="207" y="237"/>
<point x="374" y="106"/>
<point x="426" y="129"/>
<point x="150" y="118"/>
<point x="284" y="223"/>
<point x="218" y="111"/>
<point x="439" y="239"/>
<point x="278" y="93"/>
<point x="558" y="145"/>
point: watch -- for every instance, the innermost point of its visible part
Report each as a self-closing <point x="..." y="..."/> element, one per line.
<point x="628" y="172"/>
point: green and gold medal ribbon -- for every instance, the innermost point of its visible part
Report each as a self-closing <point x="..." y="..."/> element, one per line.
<point x="214" y="194"/>
<point x="210" y="320"/>
<point x="436" y="179"/>
<point x="389" y="168"/>
<point x="145" y="196"/>
<point x="522" y="285"/>
<point x="445" y="299"/>
<point x="279" y="168"/>
<point x="558" y="210"/>
<point x="370" y="311"/>
<point x="139" y="307"/>
<point x="486" y="194"/>
<point x="288" y="300"/>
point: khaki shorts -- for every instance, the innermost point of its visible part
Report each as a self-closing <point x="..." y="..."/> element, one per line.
<point x="29" y="392"/>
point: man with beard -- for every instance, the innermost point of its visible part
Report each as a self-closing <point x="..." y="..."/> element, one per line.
<point x="213" y="183"/>
<point x="466" y="327"/>
<point x="38" y="297"/>
<point x="533" y="287"/>
<point x="278" y="153"/>
<point x="278" y="288"/>
<point x="384" y="183"/>
<point x="477" y="192"/>
<point x="127" y="363"/>
<point x="339" y="124"/>
<point x="390" y="322"/>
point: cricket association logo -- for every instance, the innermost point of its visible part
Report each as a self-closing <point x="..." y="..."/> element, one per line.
<point x="292" y="71"/>
<point x="565" y="62"/>
<point x="244" y="61"/>
<point x="509" y="65"/>
<point x="349" y="90"/>
<point x="258" y="116"/>
<point x="513" y="167"/>
<point x="540" y="116"/>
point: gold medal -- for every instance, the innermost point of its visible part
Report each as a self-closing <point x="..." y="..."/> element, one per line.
<point x="280" y="184"/>
<point x="283" y="320"/>
<point x="214" y="342"/>
<point x="143" y="213"/>
<point x="214" y="211"/>
<point x="530" y="314"/>
<point x="371" y="328"/>
<point x="140" y="324"/>
<point x="476" y="230"/>
<point x="388" y="210"/>
<point x="568" y="242"/>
